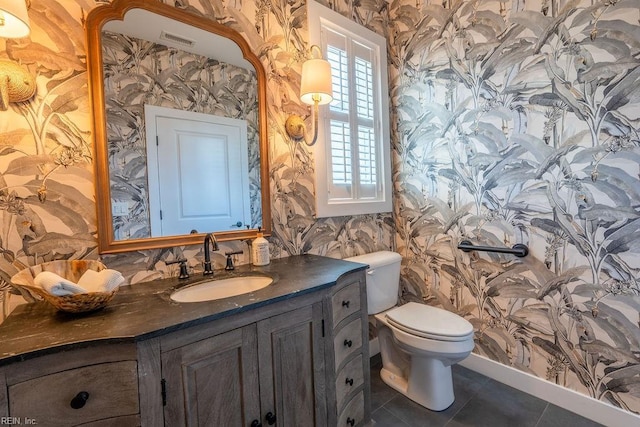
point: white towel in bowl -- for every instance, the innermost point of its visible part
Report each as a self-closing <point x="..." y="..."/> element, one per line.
<point x="57" y="285"/>
<point x="101" y="281"/>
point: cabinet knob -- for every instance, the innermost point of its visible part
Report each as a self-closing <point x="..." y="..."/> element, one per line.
<point x="256" y="423"/>
<point x="349" y="381"/>
<point x="348" y="343"/>
<point x="345" y="304"/>
<point x="80" y="400"/>
<point x="351" y="421"/>
<point x="271" y="418"/>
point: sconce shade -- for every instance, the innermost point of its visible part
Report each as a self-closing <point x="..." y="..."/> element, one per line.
<point x="316" y="81"/>
<point x="14" y="20"/>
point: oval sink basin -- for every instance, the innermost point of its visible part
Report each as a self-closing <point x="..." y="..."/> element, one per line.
<point x="221" y="288"/>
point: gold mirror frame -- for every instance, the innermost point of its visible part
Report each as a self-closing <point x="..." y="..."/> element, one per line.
<point x="96" y="19"/>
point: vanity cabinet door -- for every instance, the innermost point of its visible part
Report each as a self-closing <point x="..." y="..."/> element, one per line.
<point x="292" y="379"/>
<point x="269" y="371"/>
<point x="213" y="382"/>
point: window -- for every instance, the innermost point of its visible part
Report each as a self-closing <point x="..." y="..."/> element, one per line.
<point x="353" y="155"/>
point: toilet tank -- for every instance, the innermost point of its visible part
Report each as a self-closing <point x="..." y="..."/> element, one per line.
<point x="383" y="279"/>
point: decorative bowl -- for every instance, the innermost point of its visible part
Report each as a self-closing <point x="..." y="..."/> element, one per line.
<point x="70" y="270"/>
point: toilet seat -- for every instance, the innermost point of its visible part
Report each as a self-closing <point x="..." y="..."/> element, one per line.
<point x="429" y="322"/>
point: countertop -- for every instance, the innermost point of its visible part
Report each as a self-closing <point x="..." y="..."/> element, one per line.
<point x="144" y="310"/>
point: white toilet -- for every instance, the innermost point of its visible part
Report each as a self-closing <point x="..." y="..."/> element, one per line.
<point x="418" y="343"/>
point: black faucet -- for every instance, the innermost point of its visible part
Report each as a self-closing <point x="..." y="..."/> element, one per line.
<point x="209" y="239"/>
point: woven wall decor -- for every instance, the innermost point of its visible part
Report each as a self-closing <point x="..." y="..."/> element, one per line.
<point x="16" y="84"/>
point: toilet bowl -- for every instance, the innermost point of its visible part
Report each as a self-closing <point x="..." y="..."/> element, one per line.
<point x="418" y="343"/>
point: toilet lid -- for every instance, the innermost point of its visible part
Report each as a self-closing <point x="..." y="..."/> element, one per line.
<point x="430" y="322"/>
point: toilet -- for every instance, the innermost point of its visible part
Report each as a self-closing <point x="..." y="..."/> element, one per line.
<point x="418" y="343"/>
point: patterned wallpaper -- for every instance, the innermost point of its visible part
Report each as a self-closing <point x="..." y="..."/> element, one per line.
<point x="512" y="122"/>
<point x="517" y="122"/>
<point x="137" y="73"/>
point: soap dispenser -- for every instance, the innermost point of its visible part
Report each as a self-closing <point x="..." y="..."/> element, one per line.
<point x="260" y="250"/>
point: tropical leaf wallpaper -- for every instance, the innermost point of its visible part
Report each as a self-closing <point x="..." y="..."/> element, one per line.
<point x="517" y="122"/>
<point x="137" y="73"/>
<point x="512" y="122"/>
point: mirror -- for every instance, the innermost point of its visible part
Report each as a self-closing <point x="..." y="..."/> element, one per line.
<point x="180" y="128"/>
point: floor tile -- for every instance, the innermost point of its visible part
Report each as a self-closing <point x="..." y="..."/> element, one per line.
<point x="380" y="392"/>
<point x="384" y="418"/>
<point x="555" y="416"/>
<point x="461" y="371"/>
<point x="466" y="383"/>
<point x="414" y="414"/>
<point x="498" y="405"/>
<point x="480" y="402"/>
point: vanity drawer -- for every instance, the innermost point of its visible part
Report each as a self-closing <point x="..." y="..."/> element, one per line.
<point x="97" y="392"/>
<point x="347" y="341"/>
<point x="353" y="413"/>
<point x="348" y="379"/>
<point x="345" y="302"/>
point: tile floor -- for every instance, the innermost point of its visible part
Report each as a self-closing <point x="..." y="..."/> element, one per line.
<point x="480" y="402"/>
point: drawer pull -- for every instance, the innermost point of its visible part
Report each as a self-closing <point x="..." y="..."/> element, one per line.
<point x="345" y="304"/>
<point x="349" y="381"/>
<point x="348" y="343"/>
<point x="80" y="400"/>
<point x="256" y="423"/>
<point x="351" y="421"/>
<point x="271" y="418"/>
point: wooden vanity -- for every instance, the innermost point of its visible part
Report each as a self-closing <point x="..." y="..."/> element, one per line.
<point x="292" y="354"/>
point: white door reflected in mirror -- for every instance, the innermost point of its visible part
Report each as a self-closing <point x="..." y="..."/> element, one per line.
<point x="198" y="171"/>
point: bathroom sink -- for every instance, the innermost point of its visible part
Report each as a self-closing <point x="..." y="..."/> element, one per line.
<point x="220" y="288"/>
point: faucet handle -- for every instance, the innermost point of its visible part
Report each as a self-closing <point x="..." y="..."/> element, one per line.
<point x="230" y="260"/>
<point x="184" y="273"/>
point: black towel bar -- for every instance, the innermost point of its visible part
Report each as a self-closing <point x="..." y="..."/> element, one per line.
<point x="518" y="249"/>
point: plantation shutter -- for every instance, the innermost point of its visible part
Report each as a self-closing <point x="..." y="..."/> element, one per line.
<point x="354" y="153"/>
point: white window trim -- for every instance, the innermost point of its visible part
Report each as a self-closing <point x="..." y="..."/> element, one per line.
<point x="319" y="16"/>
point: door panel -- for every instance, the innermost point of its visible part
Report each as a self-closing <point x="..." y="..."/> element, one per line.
<point x="198" y="172"/>
<point x="291" y="353"/>
<point x="213" y="382"/>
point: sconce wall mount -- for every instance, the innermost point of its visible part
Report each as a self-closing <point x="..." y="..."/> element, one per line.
<point x="295" y="127"/>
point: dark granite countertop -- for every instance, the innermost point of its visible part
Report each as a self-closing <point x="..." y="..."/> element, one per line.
<point x="145" y="310"/>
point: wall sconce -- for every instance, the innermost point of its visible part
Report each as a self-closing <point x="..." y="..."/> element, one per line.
<point x="16" y="83"/>
<point x="315" y="90"/>
<point x="14" y="21"/>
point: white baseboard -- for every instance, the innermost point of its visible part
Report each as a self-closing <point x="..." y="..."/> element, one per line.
<point x="588" y="407"/>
